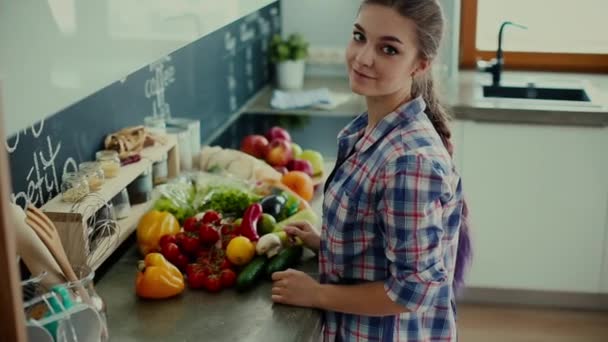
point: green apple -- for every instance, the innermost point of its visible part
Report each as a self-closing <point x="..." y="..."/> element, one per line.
<point x="315" y="158"/>
<point x="266" y="224"/>
<point x="296" y="150"/>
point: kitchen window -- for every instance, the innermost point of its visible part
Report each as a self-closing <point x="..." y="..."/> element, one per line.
<point x="560" y="35"/>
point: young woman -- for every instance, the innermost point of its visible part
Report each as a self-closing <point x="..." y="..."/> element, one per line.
<point x="394" y="240"/>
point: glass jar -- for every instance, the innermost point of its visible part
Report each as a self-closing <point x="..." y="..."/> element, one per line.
<point x="121" y="204"/>
<point x="140" y="189"/>
<point x="74" y="187"/>
<point x="184" y="145"/>
<point x="83" y="291"/>
<point x="155" y="124"/>
<point x="160" y="171"/>
<point x="109" y="161"/>
<point x="94" y="174"/>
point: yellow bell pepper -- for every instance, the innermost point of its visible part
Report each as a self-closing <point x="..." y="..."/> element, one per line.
<point x="152" y="226"/>
<point x="158" y="278"/>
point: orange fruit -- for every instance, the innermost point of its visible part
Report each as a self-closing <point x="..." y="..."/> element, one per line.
<point x="300" y="183"/>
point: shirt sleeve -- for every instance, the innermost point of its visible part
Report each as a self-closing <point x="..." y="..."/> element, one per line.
<point x="411" y="211"/>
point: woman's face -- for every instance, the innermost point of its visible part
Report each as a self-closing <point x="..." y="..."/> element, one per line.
<point x="382" y="54"/>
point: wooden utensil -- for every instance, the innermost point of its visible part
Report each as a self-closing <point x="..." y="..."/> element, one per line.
<point x="47" y="232"/>
<point x="34" y="253"/>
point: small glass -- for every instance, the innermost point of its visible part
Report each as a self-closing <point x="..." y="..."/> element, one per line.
<point x="140" y="189"/>
<point x="160" y="171"/>
<point x="110" y="163"/>
<point x="74" y="187"/>
<point x="83" y="291"/>
<point x="121" y="204"/>
<point x="94" y="173"/>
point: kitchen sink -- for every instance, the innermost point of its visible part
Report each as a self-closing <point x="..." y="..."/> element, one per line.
<point x="533" y="92"/>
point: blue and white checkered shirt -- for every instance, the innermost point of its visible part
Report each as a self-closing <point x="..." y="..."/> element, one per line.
<point x="392" y="213"/>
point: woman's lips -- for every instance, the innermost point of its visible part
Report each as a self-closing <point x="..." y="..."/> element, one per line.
<point x="360" y="74"/>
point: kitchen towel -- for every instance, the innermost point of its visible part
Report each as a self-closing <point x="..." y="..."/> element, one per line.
<point x="320" y="98"/>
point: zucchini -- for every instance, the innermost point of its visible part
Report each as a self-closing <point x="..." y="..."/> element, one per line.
<point x="251" y="273"/>
<point x="287" y="258"/>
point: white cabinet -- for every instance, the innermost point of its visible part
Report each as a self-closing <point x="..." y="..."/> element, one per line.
<point x="538" y="196"/>
<point x="604" y="282"/>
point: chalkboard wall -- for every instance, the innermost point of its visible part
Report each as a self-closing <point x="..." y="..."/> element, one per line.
<point x="209" y="80"/>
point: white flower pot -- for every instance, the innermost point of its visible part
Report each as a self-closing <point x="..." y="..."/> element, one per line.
<point x="290" y="74"/>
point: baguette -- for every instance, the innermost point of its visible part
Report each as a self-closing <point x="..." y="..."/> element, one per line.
<point x="238" y="163"/>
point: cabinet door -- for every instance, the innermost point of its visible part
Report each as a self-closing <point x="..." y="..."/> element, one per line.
<point x="604" y="282"/>
<point x="538" y="199"/>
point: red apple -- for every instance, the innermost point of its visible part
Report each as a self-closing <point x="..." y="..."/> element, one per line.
<point x="279" y="153"/>
<point x="277" y="132"/>
<point x="300" y="165"/>
<point x="255" y="145"/>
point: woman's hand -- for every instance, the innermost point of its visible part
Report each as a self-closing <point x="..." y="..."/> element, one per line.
<point x="306" y="232"/>
<point x="297" y="288"/>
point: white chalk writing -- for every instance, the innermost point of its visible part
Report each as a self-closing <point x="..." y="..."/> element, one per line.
<point x="12" y="147"/>
<point x="230" y="43"/>
<point x="164" y="75"/>
<point x="42" y="178"/>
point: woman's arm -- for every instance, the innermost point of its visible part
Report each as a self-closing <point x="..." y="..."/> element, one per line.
<point x="297" y="288"/>
<point x="369" y="299"/>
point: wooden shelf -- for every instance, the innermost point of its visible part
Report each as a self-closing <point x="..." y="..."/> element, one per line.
<point x="72" y="220"/>
<point x="112" y="186"/>
<point x="126" y="226"/>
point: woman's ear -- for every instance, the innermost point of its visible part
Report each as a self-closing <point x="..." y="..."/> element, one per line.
<point x="422" y="67"/>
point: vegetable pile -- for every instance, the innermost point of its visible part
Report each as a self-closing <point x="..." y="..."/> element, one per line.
<point x="220" y="233"/>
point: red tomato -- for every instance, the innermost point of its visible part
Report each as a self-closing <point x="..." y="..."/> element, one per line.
<point x="225" y="264"/>
<point x="211" y="216"/>
<point x="170" y="251"/>
<point x="208" y="234"/>
<point x="167" y="238"/>
<point x="181" y="262"/>
<point x="191" y="243"/>
<point x="191" y="224"/>
<point x="227" y="278"/>
<point x="179" y="239"/>
<point x="213" y="283"/>
<point x="196" y="277"/>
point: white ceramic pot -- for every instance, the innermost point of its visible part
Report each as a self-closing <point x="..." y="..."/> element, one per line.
<point x="290" y="74"/>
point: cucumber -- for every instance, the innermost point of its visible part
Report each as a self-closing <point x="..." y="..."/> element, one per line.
<point x="285" y="259"/>
<point x="251" y="273"/>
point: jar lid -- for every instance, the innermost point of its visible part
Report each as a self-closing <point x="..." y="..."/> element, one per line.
<point x="89" y="166"/>
<point x="72" y="176"/>
<point x="106" y="154"/>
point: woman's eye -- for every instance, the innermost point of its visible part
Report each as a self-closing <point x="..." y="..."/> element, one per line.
<point x="389" y="50"/>
<point x="358" y="36"/>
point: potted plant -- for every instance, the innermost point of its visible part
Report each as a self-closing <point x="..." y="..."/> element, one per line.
<point x="289" y="57"/>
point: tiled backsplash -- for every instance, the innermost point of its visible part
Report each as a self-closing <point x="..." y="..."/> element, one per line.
<point x="209" y="80"/>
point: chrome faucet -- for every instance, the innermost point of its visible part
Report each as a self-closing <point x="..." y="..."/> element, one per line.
<point x="495" y="66"/>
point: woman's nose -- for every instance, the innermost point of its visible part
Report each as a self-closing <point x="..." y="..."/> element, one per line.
<point x="365" y="56"/>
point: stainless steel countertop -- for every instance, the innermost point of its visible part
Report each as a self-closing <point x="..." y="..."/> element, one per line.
<point x="464" y="98"/>
<point x="197" y="315"/>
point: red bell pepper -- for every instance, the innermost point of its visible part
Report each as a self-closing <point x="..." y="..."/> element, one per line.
<point x="250" y="221"/>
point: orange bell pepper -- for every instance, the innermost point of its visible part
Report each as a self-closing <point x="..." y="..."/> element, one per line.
<point x="152" y="226"/>
<point x="158" y="278"/>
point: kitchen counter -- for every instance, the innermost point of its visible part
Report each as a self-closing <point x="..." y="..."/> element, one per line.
<point x="465" y="99"/>
<point x="197" y="315"/>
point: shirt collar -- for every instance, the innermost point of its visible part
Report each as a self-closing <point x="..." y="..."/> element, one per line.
<point x="349" y="136"/>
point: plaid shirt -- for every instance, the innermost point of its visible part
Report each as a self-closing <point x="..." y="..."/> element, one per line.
<point x="392" y="212"/>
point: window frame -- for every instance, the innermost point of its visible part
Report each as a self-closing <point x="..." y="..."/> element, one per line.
<point x="537" y="61"/>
